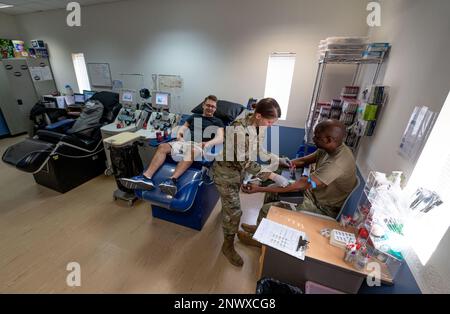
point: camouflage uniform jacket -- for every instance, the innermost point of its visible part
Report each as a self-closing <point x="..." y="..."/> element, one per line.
<point x="239" y="157"/>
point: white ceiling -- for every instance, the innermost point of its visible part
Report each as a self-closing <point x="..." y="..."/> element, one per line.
<point x="27" y="6"/>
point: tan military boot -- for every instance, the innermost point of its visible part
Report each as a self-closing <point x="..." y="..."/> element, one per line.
<point x="229" y="251"/>
<point x="249" y="228"/>
<point x="247" y="239"/>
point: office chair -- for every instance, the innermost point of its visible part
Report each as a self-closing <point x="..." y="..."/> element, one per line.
<point x="299" y="199"/>
<point x="353" y="192"/>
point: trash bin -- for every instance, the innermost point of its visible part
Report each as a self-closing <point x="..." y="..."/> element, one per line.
<point x="273" y="286"/>
<point x="125" y="161"/>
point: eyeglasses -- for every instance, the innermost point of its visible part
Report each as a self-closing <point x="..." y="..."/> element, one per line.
<point x="210" y="106"/>
<point x="321" y="138"/>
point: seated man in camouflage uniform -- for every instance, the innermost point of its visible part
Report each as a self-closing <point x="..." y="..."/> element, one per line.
<point x="325" y="190"/>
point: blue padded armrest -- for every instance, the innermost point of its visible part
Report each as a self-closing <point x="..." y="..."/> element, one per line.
<point x="66" y="123"/>
<point x="188" y="185"/>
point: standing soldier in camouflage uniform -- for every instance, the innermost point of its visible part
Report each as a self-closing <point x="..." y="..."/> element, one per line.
<point x="239" y="160"/>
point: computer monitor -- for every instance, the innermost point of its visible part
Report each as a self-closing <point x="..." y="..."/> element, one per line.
<point x="161" y="100"/>
<point x="88" y="94"/>
<point x="78" y="98"/>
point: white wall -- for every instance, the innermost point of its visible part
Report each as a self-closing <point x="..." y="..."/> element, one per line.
<point x="217" y="46"/>
<point x="8" y="27"/>
<point x="418" y="73"/>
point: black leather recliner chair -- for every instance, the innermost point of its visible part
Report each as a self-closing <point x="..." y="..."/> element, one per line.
<point x="42" y="116"/>
<point x="64" y="160"/>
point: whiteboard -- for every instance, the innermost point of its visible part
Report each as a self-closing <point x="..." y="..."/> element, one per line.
<point x="99" y="74"/>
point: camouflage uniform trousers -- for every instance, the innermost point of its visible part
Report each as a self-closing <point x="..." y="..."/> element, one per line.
<point x="231" y="206"/>
<point x="273" y="199"/>
<point x="227" y="181"/>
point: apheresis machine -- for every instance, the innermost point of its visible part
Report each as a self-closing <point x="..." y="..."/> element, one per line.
<point x="161" y="121"/>
<point x="127" y="139"/>
<point x="147" y="121"/>
<point x="132" y="117"/>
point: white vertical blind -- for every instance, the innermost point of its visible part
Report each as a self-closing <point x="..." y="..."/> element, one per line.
<point x="81" y="72"/>
<point x="280" y="70"/>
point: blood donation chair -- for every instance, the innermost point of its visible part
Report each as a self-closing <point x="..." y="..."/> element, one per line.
<point x="197" y="194"/>
<point x="64" y="159"/>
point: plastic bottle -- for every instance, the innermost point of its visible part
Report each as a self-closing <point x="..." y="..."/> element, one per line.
<point x="69" y="90"/>
<point x="364" y="229"/>
<point x="361" y="259"/>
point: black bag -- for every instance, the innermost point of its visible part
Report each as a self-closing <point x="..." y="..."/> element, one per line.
<point x="273" y="286"/>
<point x="126" y="163"/>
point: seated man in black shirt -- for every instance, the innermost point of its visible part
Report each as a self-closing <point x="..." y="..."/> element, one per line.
<point x="190" y="147"/>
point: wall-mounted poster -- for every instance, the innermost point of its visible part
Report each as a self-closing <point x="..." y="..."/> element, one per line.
<point x="172" y="84"/>
<point x="20" y="50"/>
<point x="6" y="49"/>
<point x="99" y="74"/>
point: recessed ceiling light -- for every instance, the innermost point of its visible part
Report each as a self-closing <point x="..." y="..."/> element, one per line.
<point x="4" y="5"/>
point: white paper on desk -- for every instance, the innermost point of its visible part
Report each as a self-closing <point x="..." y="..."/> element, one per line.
<point x="70" y="100"/>
<point x="280" y="237"/>
<point x="61" y="102"/>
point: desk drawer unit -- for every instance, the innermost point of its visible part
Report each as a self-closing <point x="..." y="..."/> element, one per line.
<point x="291" y="270"/>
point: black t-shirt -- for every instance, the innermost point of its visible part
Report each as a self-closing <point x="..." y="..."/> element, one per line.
<point x="198" y="123"/>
